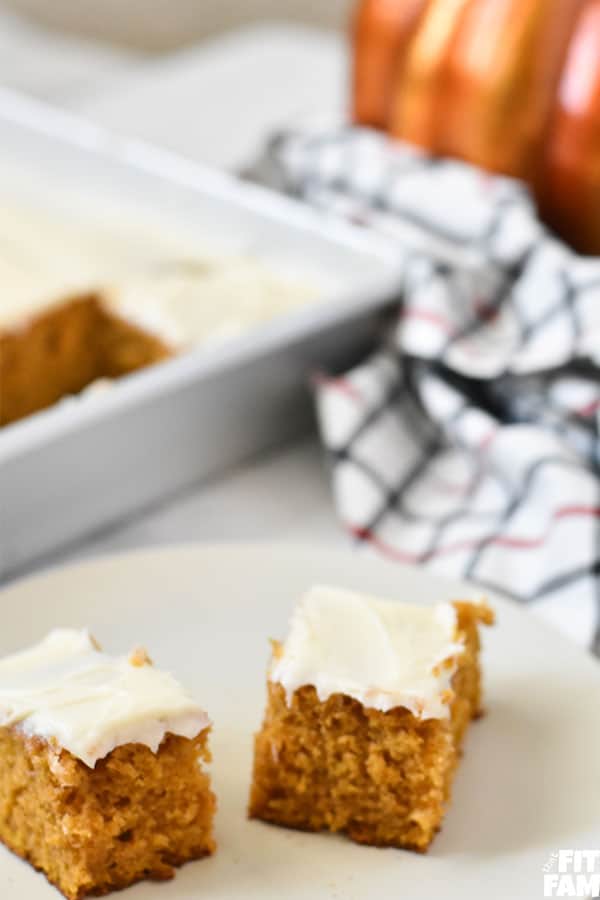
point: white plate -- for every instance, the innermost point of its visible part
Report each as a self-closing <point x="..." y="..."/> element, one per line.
<point x="528" y="785"/>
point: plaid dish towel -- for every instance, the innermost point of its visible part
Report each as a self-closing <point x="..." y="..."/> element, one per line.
<point x="469" y="442"/>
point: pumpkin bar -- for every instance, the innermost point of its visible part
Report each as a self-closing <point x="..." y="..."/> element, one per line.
<point x="368" y="704"/>
<point x="101" y="783"/>
<point x="83" y="299"/>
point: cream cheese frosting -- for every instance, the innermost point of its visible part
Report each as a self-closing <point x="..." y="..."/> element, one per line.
<point x="190" y="302"/>
<point x="64" y="689"/>
<point x="383" y="653"/>
<point x="160" y="279"/>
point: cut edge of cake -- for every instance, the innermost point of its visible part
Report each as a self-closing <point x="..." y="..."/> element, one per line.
<point x="62" y="349"/>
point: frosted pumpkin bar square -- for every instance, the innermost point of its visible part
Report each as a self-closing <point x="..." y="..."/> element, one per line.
<point x="101" y="783"/>
<point x="368" y="704"/>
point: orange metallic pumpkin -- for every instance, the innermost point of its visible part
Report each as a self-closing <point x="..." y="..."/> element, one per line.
<point x="569" y="187"/>
<point x="510" y="85"/>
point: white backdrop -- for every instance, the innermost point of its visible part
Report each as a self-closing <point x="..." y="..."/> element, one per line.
<point x="164" y="24"/>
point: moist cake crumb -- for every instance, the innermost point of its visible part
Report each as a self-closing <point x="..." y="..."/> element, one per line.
<point x="136" y="811"/>
<point x="328" y="760"/>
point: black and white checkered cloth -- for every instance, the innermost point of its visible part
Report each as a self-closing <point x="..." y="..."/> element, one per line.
<point x="470" y="441"/>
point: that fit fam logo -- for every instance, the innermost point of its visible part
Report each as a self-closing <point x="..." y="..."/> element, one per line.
<point x="573" y="873"/>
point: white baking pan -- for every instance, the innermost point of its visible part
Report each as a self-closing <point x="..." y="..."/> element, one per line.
<point x="92" y="460"/>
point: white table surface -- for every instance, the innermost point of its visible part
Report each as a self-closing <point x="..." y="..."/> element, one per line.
<point x="219" y="102"/>
<point x="283" y="496"/>
<point x="199" y="102"/>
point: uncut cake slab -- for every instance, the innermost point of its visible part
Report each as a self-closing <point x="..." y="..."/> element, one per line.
<point x="523" y="788"/>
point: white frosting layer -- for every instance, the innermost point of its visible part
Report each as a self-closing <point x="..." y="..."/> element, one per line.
<point x="382" y="653"/>
<point x="157" y="279"/>
<point x="188" y="303"/>
<point x="65" y="689"/>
